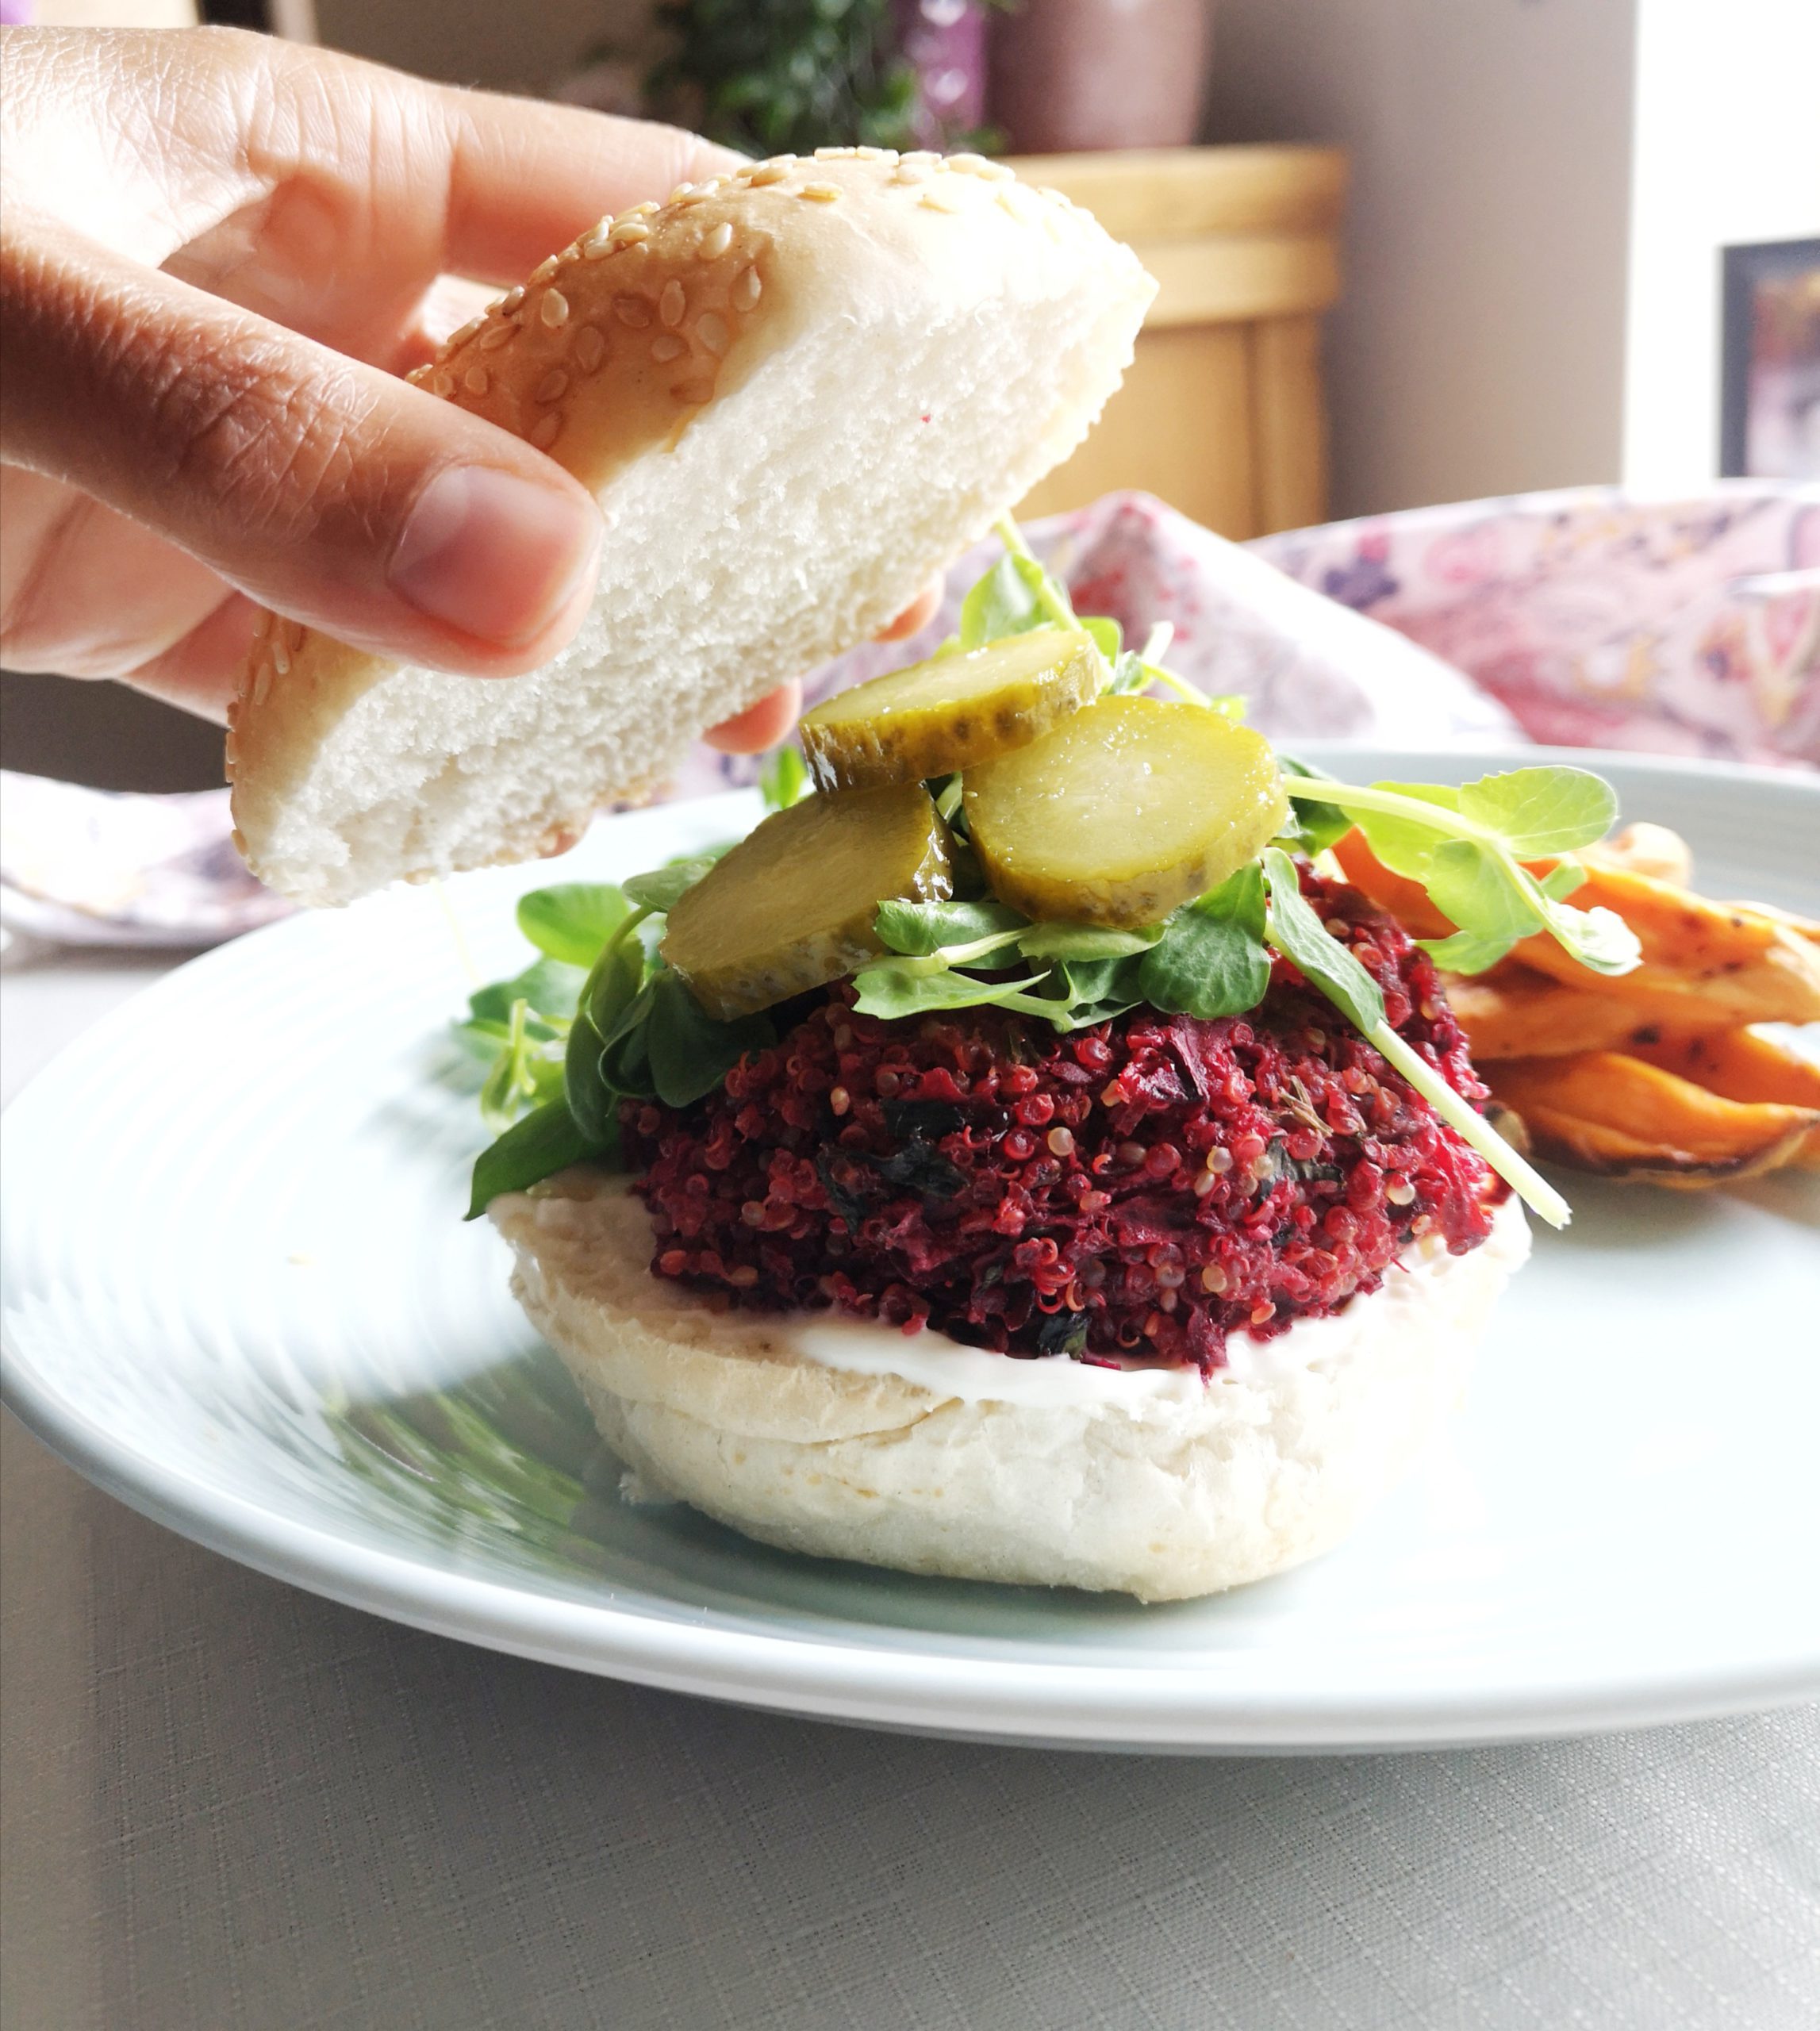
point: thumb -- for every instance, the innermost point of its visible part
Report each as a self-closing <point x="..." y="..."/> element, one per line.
<point x="322" y="487"/>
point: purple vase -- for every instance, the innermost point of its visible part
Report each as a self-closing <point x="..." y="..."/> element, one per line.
<point x="944" y="41"/>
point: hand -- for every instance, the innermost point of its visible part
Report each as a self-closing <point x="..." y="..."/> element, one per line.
<point x="222" y="254"/>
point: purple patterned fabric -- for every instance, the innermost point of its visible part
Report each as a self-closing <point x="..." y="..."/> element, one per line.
<point x="1681" y="627"/>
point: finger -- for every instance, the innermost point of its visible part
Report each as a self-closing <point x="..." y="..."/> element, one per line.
<point x="917" y="616"/>
<point x="201" y="672"/>
<point x="323" y="488"/>
<point x="761" y="726"/>
<point x="86" y="591"/>
<point x="371" y="184"/>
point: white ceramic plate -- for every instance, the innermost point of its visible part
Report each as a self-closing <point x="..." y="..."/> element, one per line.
<point x="238" y="1294"/>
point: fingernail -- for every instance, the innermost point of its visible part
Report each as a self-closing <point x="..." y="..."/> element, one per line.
<point x="492" y="555"/>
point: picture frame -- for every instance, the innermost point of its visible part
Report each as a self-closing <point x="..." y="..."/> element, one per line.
<point x="1769" y="385"/>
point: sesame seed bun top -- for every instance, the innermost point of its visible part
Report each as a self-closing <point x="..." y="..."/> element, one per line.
<point x="796" y="390"/>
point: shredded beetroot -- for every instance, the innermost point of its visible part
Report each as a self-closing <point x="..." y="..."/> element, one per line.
<point x="1140" y="1190"/>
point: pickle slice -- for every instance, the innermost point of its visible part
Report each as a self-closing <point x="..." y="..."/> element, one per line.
<point x="951" y="713"/>
<point x="792" y="906"/>
<point x="1129" y="808"/>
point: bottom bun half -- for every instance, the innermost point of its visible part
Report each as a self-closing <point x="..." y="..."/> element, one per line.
<point x="1173" y="1490"/>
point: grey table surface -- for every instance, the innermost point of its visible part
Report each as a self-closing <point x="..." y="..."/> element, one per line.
<point x="227" y="1802"/>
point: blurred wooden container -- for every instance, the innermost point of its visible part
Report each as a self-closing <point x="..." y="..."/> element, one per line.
<point x="1222" y="413"/>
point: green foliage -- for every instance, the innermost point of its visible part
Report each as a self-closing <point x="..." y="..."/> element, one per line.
<point x="776" y="76"/>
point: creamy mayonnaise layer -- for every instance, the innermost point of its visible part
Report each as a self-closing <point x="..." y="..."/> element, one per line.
<point x="933" y="1361"/>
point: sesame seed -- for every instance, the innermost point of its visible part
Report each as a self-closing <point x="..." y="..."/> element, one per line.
<point x="628" y="230"/>
<point x="682" y="191"/>
<point x="632" y="310"/>
<point x="747" y="286"/>
<point x="280" y="659"/>
<point x="820" y="194"/>
<point x="510" y="300"/>
<point x="667" y="346"/>
<point x="712" y="331"/>
<point x="1014" y="198"/>
<point x="910" y="171"/>
<point x="716" y="243"/>
<point x="544" y="269"/>
<point x="553" y="387"/>
<point x="595" y="247"/>
<point x="543" y="433"/>
<point x="555" y="308"/>
<point x="688" y="204"/>
<point x="866" y="154"/>
<point x="967" y="163"/>
<point x="767" y="173"/>
<point x="672" y="304"/>
<point x="831" y="154"/>
<point x="418" y="375"/>
<point x="937" y="201"/>
<point x="644" y="211"/>
<point x="590" y="348"/>
<point x="496" y="336"/>
<point x="476" y="381"/>
<point x="443" y="382"/>
<point x="467" y="331"/>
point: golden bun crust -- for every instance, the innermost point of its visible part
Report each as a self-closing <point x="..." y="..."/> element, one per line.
<point x="917" y="339"/>
<point x="1273" y="1461"/>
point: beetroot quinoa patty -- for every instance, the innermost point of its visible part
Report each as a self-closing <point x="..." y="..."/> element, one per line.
<point x="1137" y="1190"/>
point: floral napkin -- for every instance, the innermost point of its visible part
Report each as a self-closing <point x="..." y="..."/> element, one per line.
<point x="1582" y="618"/>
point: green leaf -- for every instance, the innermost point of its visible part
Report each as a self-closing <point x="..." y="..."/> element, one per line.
<point x="784" y="780"/>
<point x="1007" y="601"/>
<point x="690" y="1053"/>
<point x="890" y="989"/>
<point x="529" y="1151"/>
<point x="1297" y="932"/>
<point x="625" y="1044"/>
<point x="590" y="1100"/>
<point x="571" y="921"/>
<point x="1483" y="891"/>
<point x="919" y="930"/>
<point x="1466" y="951"/>
<point x="548" y="987"/>
<point x="1109" y="636"/>
<point x="1085" y="941"/>
<point x="1599" y="938"/>
<point x="1318" y="826"/>
<point x="664" y="887"/>
<point x="1211" y="960"/>
<point x="1537" y="812"/>
<point x="1562" y="880"/>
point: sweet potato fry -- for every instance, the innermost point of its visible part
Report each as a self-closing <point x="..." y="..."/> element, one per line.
<point x="1740" y="1064"/>
<point x="1746" y="965"/>
<point x="1608" y="1112"/>
<point x="1706" y="966"/>
<point x="1646" y="849"/>
<point x="1514" y="1012"/>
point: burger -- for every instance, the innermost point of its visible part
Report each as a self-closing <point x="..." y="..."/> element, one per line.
<point x="1023" y="1157"/>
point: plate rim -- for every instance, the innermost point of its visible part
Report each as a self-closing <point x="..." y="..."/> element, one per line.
<point x="1061" y="1703"/>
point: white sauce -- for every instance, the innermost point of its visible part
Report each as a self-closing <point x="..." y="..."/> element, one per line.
<point x="933" y="1361"/>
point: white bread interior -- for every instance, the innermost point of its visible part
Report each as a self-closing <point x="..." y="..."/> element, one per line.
<point x="1275" y="1460"/>
<point x="797" y="392"/>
